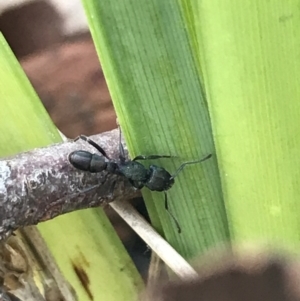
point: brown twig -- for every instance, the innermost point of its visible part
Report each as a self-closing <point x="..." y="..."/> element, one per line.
<point x="41" y="184"/>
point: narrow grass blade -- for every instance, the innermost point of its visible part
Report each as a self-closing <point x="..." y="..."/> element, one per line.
<point x="84" y="243"/>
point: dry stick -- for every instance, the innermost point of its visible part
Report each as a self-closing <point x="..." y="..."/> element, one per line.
<point x="161" y="247"/>
<point x="41" y="184"/>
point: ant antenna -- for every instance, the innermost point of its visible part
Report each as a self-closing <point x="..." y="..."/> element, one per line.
<point x="171" y="214"/>
<point x="183" y="165"/>
<point x="94" y="144"/>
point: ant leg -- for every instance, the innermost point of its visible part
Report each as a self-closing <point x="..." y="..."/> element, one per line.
<point x="94" y="187"/>
<point x="111" y="190"/>
<point x="171" y="214"/>
<point x="136" y="184"/>
<point x="94" y="144"/>
<point x="86" y="190"/>
<point x="121" y="148"/>
<point x="141" y="157"/>
<point x="182" y="166"/>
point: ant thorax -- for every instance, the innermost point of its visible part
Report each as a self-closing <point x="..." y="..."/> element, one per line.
<point x="134" y="171"/>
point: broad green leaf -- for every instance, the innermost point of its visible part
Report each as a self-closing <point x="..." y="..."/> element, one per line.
<point x="153" y="77"/>
<point x="251" y="61"/>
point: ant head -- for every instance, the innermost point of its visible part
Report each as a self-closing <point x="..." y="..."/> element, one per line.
<point x="159" y="179"/>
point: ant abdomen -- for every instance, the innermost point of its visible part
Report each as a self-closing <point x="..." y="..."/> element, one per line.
<point x="86" y="161"/>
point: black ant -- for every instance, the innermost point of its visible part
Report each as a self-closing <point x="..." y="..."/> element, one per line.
<point x="155" y="178"/>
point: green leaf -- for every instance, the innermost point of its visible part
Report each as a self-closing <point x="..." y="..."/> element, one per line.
<point x="154" y="81"/>
<point x="23" y="120"/>
<point x="81" y="241"/>
<point x="252" y="70"/>
<point x="154" y="54"/>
